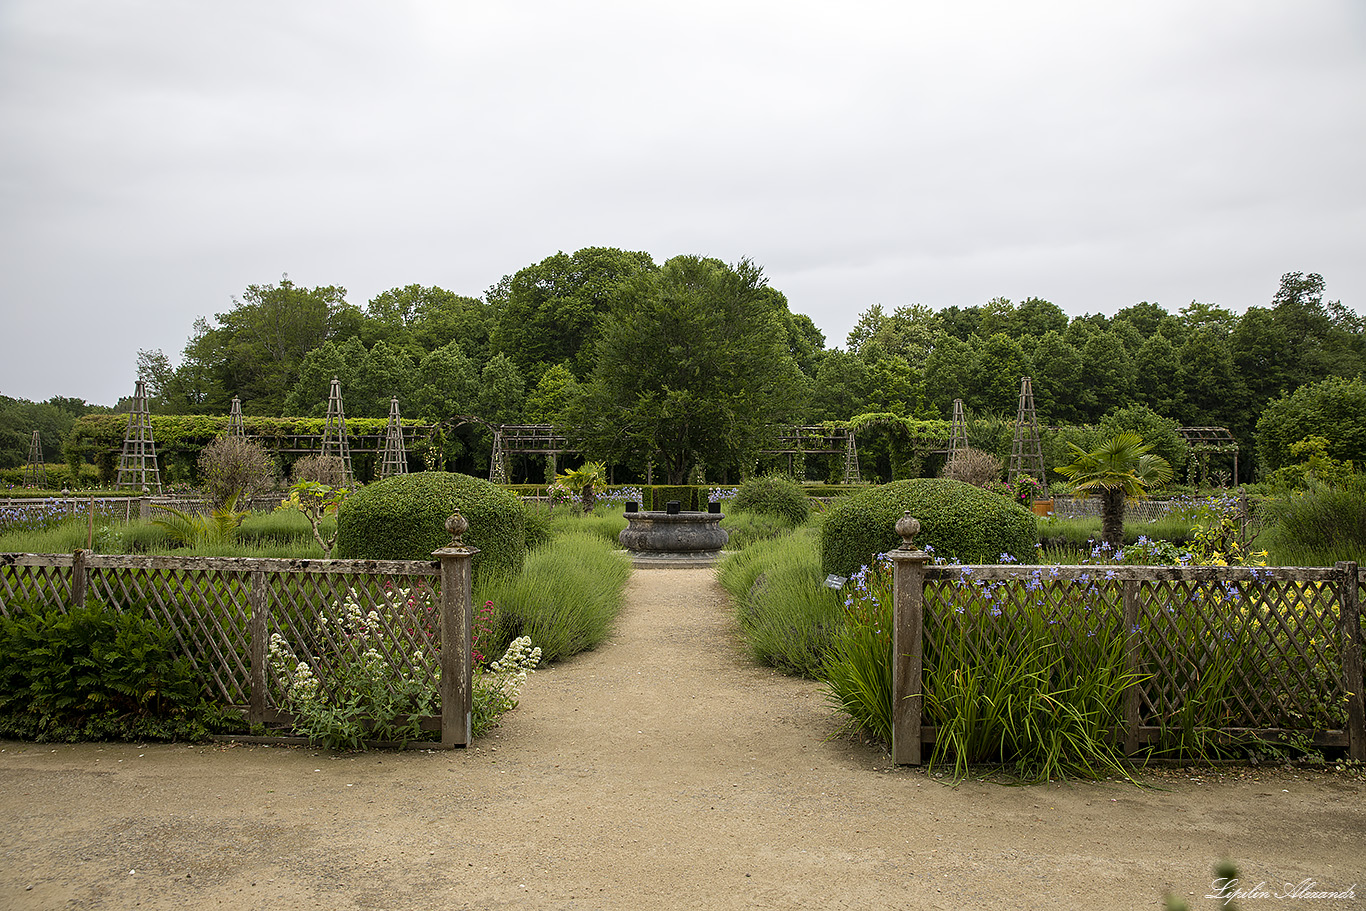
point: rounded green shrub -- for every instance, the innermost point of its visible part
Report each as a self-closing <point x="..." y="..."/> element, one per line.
<point x="404" y="518"/>
<point x="774" y="495"/>
<point x="958" y="520"/>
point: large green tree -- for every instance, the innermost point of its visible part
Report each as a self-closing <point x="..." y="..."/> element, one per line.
<point x="256" y="349"/>
<point x="421" y="319"/>
<point x="1334" y="409"/>
<point x="693" y="364"/>
<point x="551" y="313"/>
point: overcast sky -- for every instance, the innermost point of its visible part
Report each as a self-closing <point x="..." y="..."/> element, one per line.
<point x="158" y="157"/>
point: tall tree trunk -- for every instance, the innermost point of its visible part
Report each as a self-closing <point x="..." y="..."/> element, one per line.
<point x="1112" y="517"/>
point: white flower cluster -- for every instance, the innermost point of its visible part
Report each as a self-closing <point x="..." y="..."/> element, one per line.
<point x="508" y="673"/>
<point x="299" y="680"/>
<point x="520" y="658"/>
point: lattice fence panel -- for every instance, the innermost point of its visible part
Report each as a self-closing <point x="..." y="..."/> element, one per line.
<point x="23" y="585"/>
<point x="208" y="610"/>
<point x="988" y="622"/>
<point x="325" y="617"/>
<point x="1263" y="654"/>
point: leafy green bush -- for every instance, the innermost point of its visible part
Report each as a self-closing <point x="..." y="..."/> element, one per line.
<point x="566" y="597"/>
<point x="403" y="518"/>
<point x="1157" y="431"/>
<point x="1326" y="520"/>
<point x="774" y="495"/>
<point x="787" y="616"/>
<point x="96" y="674"/>
<point x="1334" y="408"/>
<point x="957" y="520"/>
<point x="58" y="474"/>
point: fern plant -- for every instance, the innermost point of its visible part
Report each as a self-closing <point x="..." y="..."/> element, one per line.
<point x="195" y="530"/>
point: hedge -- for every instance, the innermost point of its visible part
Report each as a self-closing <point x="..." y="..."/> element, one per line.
<point x="404" y="518"/>
<point x="957" y="520"/>
<point x="774" y="495"/>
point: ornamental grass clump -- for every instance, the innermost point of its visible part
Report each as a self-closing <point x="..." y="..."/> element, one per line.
<point x="1037" y="684"/>
<point x="1022" y="684"/>
<point x="787" y="616"/>
<point x="566" y="598"/>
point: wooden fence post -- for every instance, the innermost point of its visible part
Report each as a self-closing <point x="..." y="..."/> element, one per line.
<point x="457" y="620"/>
<point x="908" y="642"/>
<point x="256" y="709"/>
<point x="1132" y="692"/>
<point x="80" y="576"/>
<point x="1349" y="633"/>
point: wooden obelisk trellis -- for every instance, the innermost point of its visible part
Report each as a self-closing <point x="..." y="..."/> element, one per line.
<point x="395" y="459"/>
<point x="958" y="434"/>
<point x="35" y="472"/>
<point x="334" y="434"/>
<point x="852" y="475"/>
<point x="235" y="426"/>
<point x="498" y="462"/>
<point x="1026" y="452"/>
<point x="138" y="464"/>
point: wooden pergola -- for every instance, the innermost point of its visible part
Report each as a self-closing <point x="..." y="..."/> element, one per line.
<point x="1206" y="441"/>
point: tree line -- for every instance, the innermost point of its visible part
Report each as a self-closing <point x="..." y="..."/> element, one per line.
<point x="691" y="359"/>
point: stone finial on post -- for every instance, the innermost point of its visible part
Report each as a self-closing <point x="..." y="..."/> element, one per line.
<point x="908" y="641"/>
<point x="456" y="621"/>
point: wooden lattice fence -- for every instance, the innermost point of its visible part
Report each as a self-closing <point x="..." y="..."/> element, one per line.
<point x="224" y="612"/>
<point x="1264" y="652"/>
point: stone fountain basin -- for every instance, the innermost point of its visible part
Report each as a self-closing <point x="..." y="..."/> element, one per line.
<point x="683" y="533"/>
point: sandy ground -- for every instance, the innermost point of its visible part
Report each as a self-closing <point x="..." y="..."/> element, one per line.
<point x="664" y="770"/>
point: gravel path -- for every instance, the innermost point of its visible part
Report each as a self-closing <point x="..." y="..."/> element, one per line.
<point x="663" y="770"/>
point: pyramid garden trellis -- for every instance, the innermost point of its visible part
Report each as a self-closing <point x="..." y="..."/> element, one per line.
<point x="335" y="443"/>
<point x="958" y="432"/>
<point x="395" y="459"/>
<point x="138" y="463"/>
<point x="235" y="426"/>
<point x="35" y="472"/>
<point x="1026" y="451"/>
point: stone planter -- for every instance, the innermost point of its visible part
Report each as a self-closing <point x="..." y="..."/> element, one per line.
<point x="684" y="533"/>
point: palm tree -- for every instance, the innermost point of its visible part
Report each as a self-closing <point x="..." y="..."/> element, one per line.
<point x="1119" y="470"/>
<point x="582" y="480"/>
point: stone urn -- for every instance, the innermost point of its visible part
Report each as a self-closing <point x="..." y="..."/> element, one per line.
<point x="696" y="534"/>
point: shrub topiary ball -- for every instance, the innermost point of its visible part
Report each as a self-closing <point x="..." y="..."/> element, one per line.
<point x="403" y="518"/>
<point x="774" y="495"/>
<point x="956" y="519"/>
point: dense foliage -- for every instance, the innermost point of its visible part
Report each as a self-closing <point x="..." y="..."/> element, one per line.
<point x="95" y="673"/>
<point x="692" y="366"/>
<point x="960" y="522"/>
<point x="1334" y="409"/>
<point x="640" y="360"/>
